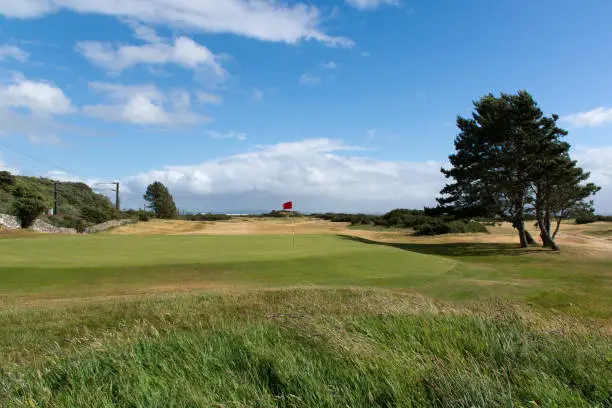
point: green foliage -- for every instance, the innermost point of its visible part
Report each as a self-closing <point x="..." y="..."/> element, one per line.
<point x="7" y="181"/>
<point x="206" y="217"/>
<point x="420" y="220"/>
<point x="96" y="215"/>
<point x="589" y="219"/>
<point x="76" y="201"/>
<point x="68" y="210"/>
<point x="6" y="202"/>
<point x="160" y="201"/>
<point x="281" y="214"/>
<point x="80" y="226"/>
<point x="63" y="221"/>
<point x="140" y="214"/>
<point x="453" y="227"/>
<point x="437" y="228"/>
<point x="510" y="159"/>
<point x="28" y="205"/>
<point x="143" y="216"/>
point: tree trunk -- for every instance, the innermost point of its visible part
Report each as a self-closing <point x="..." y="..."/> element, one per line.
<point x="554" y="235"/>
<point x="520" y="226"/>
<point x="545" y="234"/>
<point x="529" y="238"/>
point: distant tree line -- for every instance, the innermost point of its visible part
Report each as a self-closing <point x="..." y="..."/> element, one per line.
<point x="591" y="218"/>
<point x="205" y="217"/>
<point x="421" y="221"/>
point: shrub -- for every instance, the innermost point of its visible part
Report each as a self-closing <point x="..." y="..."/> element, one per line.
<point x="27" y="206"/>
<point x="206" y="217"/>
<point x="67" y="209"/>
<point x="143" y="216"/>
<point x="432" y="229"/>
<point x="7" y="181"/>
<point x="80" y="226"/>
<point x="282" y="214"/>
<point x="454" y="227"/>
<point x="69" y="221"/>
<point x="95" y="215"/>
<point x="590" y="218"/>
<point x="465" y="227"/>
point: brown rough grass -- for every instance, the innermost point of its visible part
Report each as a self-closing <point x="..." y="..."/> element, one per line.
<point x="576" y="237"/>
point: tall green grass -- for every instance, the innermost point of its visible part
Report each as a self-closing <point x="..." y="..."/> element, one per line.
<point x="302" y="348"/>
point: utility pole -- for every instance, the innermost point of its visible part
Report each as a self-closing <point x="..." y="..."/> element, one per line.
<point x="55" y="198"/>
<point x="117" y="202"/>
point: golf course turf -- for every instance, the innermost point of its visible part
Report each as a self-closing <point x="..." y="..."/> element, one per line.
<point x="242" y="321"/>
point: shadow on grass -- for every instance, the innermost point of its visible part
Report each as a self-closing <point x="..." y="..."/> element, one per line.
<point x="457" y="249"/>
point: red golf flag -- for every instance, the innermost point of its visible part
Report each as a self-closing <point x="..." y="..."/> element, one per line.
<point x="288" y="205"/>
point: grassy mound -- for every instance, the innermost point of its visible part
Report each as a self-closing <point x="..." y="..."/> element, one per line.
<point x="298" y="348"/>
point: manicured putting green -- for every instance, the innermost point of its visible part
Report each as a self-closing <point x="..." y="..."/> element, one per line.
<point x="74" y="263"/>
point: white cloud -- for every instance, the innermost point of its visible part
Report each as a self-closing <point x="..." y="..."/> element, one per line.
<point x="310" y="79"/>
<point x="227" y="135"/>
<point x="45" y="139"/>
<point x="366" y="54"/>
<point x="601" y="116"/>
<point x="258" y="95"/>
<point x="143" y="105"/>
<point x="145" y="33"/>
<point x="60" y="175"/>
<point x="265" y="20"/>
<point x="6" y="167"/>
<point x="25" y="8"/>
<point x="371" y="4"/>
<point x="598" y="160"/>
<point x="40" y="98"/>
<point x="329" y="65"/>
<point x="314" y="172"/>
<point x="14" y="52"/>
<point x="184" y="52"/>
<point x="205" y="97"/>
<point x="120" y="92"/>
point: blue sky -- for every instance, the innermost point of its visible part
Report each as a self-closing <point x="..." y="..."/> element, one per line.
<point x="242" y="104"/>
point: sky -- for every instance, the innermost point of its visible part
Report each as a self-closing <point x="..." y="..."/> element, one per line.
<point x="240" y="105"/>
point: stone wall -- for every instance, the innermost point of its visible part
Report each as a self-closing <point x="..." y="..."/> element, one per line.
<point x="109" y="225"/>
<point x="9" y="221"/>
<point x="12" y="222"/>
<point x="41" y="226"/>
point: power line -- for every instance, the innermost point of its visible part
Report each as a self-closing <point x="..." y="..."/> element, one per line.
<point x="29" y="156"/>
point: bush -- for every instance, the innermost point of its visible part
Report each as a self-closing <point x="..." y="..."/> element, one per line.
<point x="206" y="217"/>
<point x="27" y="206"/>
<point x="67" y="209"/>
<point x="432" y="229"/>
<point x="282" y="214"/>
<point x="143" y="216"/>
<point x="453" y="227"/>
<point x="7" y="181"/>
<point x="96" y="215"/>
<point x="466" y="227"/>
<point x="588" y="219"/>
<point x="68" y="221"/>
<point x="80" y="226"/>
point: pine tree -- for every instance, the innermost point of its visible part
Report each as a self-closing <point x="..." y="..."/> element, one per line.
<point x="509" y="161"/>
<point x="160" y="201"/>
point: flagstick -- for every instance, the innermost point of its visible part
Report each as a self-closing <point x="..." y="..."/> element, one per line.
<point x="292" y="231"/>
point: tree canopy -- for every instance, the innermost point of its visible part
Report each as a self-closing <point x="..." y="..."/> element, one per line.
<point x="28" y="205"/>
<point x="160" y="201"/>
<point x="510" y="160"/>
